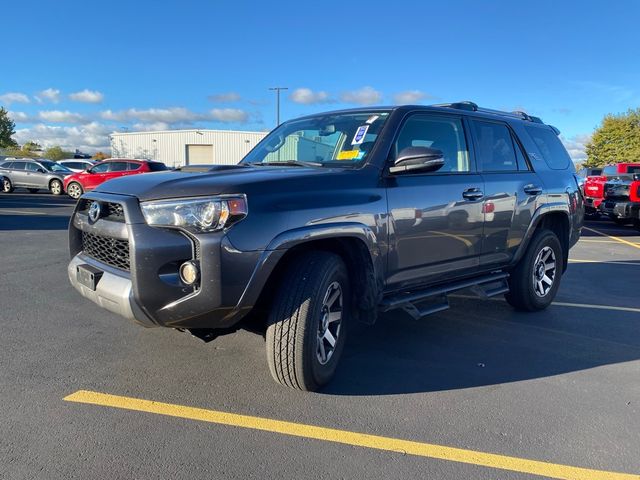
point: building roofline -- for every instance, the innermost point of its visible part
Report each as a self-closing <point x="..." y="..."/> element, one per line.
<point x="189" y="130"/>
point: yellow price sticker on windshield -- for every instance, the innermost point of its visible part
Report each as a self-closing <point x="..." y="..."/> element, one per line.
<point x="347" y="154"/>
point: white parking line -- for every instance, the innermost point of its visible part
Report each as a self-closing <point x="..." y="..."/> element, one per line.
<point x="575" y="260"/>
<point x="564" y="304"/>
<point x="21" y="212"/>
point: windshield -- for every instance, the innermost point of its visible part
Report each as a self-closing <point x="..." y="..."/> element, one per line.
<point x="340" y="140"/>
<point x="55" y="167"/>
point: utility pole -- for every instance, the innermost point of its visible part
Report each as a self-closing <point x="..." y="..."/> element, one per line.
<point x="277" y="89"/>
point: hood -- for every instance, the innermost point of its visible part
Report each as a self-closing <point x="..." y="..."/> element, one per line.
<point x="223" y="180"/>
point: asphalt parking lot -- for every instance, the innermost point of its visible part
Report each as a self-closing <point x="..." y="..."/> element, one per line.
<point x="478" y="391"/>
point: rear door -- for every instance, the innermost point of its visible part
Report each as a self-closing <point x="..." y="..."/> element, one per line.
<point x="18" y="174"/>
<point x="511" y="190"/>
<point x="436" y="218"/>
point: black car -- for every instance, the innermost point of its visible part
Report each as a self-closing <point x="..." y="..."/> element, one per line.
<point x="333" y="218"/>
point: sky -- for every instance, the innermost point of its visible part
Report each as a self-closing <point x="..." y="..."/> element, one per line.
<point x="74" y="71"/>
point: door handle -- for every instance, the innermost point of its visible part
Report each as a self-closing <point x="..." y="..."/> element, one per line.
<point x="532" y="189"/>
<point x="473" y="194"/>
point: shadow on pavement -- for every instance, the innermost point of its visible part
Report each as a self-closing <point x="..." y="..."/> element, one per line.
<point x="481" y="343"/>
<point x="33" y="222"/>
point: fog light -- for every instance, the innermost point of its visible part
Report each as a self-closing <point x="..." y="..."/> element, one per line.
<point x="189" y="273"/>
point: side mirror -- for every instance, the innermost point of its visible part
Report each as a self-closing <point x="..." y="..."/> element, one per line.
<point x="636" y="177"/>
<point x="418" y="159"/>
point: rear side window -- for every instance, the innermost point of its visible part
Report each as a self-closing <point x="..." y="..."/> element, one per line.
<point x="158" y="166"/>
<point x="633" y="169"/>
<point x="117" y="166"/>
<point x="134" y="165"/>
<point x="6" y="165"/>
<point x="550" y="147"/>
<point x="496" y="149"/>
<point x="19" y="165"/>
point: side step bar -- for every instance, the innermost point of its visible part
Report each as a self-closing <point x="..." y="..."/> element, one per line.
<point x="409" y="301"/>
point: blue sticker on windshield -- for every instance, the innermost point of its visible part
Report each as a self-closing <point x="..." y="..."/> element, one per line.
<point x="358" y="138"/>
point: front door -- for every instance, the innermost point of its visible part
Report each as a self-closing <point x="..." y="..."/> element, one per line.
<point x="95" y="176"/>
<point x="436" y="219"/>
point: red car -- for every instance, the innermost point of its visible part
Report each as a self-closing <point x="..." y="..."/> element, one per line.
<point x="594" y="185"/>
<point x="78" y="183"/>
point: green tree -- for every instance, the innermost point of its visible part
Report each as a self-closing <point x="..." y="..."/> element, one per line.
<point x="616" y="140"/>
<point x="55" y="153"/>
<point x="7" y="130"/>
<point x="31" y="146"/>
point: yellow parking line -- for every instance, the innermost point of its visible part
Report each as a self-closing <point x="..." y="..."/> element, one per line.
<point x="617" y="239"/>
<point x="491" y="460"/>
<point x="576" y="260"/>
<point x="583" y="240"/>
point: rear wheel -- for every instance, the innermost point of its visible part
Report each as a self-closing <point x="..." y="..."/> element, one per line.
<point x="7" y="186"/>
<point x="74" y="190"/>
<point x="534" y="282"/>
<point x="307" y="324"/>
<point x="55" y="187"/>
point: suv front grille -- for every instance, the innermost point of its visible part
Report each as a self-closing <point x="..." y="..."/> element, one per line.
<point x="110" y="211"/>
<point x="112" y="251"/>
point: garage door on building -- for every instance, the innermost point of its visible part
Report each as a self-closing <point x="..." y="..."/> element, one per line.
<point x="197" y="154"/>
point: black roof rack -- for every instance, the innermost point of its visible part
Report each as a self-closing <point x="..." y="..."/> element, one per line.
<point x="472" y="107"/>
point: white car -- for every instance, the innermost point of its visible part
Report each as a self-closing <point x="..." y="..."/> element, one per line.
<point x="77" y="164"/>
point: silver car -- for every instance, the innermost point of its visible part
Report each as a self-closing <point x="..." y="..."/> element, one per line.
<point x="33" y="175"/>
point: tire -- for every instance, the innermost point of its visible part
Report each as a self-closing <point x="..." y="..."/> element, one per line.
<point x="620" y="221"/>
<point x="74" y="190"/>
<point x="528" y="291"/>
<point x="300" y="313"/>
<point x="55" y="186"/>
<point x="33" y="190"/>
<point x="7" y="186"/>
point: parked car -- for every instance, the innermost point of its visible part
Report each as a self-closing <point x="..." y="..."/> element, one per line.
<point x="594" y="186"/>
<point x="621" y="196"/>
<point x="33" y="175"/>
<point x="77" y="165"/>
<point x="583" y="173"/>
<point x="380" y="209"/>
<point x="78" y="183"/>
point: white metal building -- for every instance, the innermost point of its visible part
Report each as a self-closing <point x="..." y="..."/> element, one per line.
<point x="185" y="147"/>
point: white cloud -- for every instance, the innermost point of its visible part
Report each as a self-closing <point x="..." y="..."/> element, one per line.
<point x="49" y="95"/>
<point x="409" y="97"/>
<point x="91" y="137"/>
<point x="576" y="146"/>
<point x="19" y="116"/>
<point x="229" y="115"/>
<point x="225" y="97"/>
<point x="150" y="127"/>
<point x="58" y="116"/>
<point x="362" y="96"/>
<point x="87" y="96"/>
<point x="13" y="97"/>
<point x="167" y="115"/>
<point x="306" y="96"/>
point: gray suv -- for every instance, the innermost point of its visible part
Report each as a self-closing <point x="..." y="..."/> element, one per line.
<point x="33" y="175"/>
<point x="333" y="218"/>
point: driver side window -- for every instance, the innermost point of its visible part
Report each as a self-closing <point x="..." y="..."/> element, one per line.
<point x="440" y="132"/>
<point x="100" y="168"/>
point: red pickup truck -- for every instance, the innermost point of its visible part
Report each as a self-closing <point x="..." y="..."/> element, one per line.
<point x="594" y="186"/>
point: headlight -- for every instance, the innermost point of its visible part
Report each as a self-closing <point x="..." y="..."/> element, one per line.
<point x="203" y="214"/>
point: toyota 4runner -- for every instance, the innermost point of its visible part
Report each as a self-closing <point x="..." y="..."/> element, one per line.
<point x="333" y="218"/>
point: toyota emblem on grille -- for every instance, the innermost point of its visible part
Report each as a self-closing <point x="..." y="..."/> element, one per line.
<point x="94" y="212"/>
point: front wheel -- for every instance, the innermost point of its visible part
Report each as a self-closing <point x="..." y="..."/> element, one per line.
<point x="74" y="190"/>
<point x="534" y="282"/>
<point x="56" y="187"/>
<point x="7" y="186"/>
<point x="307" y="324"/>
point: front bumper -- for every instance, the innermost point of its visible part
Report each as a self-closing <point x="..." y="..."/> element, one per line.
<point x="147" y="288"/>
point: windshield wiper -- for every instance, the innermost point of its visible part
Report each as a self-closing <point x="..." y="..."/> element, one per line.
<point x="289" y="163"/>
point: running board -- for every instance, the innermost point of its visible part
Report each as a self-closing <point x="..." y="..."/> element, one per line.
<point x="409" y="301"/>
